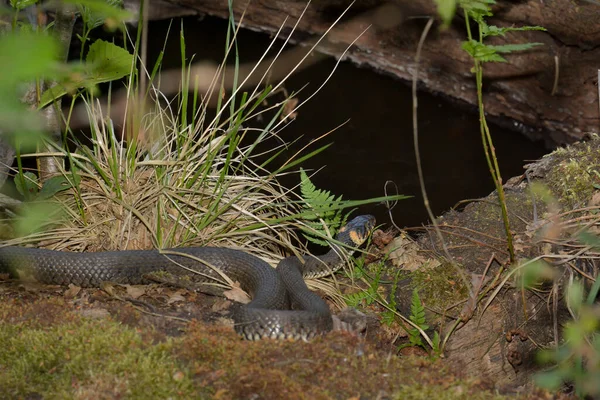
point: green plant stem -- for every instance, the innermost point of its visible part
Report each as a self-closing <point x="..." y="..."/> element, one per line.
<point x="488" y="146"/>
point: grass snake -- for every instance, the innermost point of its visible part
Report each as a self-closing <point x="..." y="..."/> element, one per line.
<point x="273" y="291"/>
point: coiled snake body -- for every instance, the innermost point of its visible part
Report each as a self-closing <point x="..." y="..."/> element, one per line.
<point x="272" y="290"/>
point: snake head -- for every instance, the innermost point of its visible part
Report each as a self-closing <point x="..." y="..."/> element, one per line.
<point x="356" y="232"/>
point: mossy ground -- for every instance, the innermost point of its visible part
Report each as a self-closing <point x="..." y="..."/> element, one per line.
<point x="56" y="345"/>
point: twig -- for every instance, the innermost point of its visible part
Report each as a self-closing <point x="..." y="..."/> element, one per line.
<point x="556" y="74"/>
<point x="415" y="80"/>
<point x="388" y="206"/>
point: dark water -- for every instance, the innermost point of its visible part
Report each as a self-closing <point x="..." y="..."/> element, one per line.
<point x="376" y="143"/>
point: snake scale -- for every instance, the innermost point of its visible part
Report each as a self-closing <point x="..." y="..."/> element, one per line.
<point x="273" y="291"/>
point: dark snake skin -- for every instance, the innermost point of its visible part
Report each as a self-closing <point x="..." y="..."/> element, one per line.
<point x="272" y="290"/>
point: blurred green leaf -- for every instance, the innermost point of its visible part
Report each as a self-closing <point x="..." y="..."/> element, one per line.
<point x="109" y="11"/>
<point x="105" y="62"/>
<point x="53" y="186"/>
<point x="536" y="272"/>
<point x="511" y="48"/>
<point x="19" y="122"/>
<point x="477" y="9"/>
<point x="551" y="380"/>
<point x="26" y="185"/>
<point x="575" y="296"/>
<point x="25" y="57"/>
<point x="22" y="4"/>
<point x="492" y="30"/>
<point x="446" y="10"/>
<point x="543" y="191"/>
<point x="36" y="217"/>
<point x="574" y="334"/>
<point x="96" y="15"/>
<point x="482" y="52"/>
<point x="590" y="239"/>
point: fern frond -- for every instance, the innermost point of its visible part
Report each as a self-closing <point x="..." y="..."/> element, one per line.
<point x="417" y="311"/>
<point x="417" y="316"/>
<point x="355" y="299"/>
<point x="321" y="210"/>
<point x="388" y="317"/>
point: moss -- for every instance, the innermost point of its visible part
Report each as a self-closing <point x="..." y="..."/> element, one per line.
<point x="576" y="171"/>
<point x="49" y="351"/>
<point x="440" y="287"/>
<point x="97" y="358"/>
<point x="336" y="366"/>
<point x="441" y="392"/>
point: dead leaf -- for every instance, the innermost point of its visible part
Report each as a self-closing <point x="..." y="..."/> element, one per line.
<point x="595" y="200"/>
<point x="288" y="107"/>
<point x="72" y="291"/>
<point x="469" y="308"/>
<point x="404" y="253"/>
<point x="381" y="238"/>
<point x="478" y="280"/>
<point x="237" y="294"/>
<point x="175" y="297"/>
<point x="221" y="305"/>
<point x="178" y="376"/>
<point x="34" y="286"/>
<point x="225" y="322"/>
<point x="135" y="291"/>
<point x="519" y="244"/>
<point x="221" y="394"/>
<point x="108" y="288"/>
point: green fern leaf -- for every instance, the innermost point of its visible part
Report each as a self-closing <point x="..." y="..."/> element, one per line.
<point x="417" y="311"/>
<point x="355" y="299"/>
<point x="388" y="317"/>
<point x="320" y="207"/>
<point x="492" y="30"/>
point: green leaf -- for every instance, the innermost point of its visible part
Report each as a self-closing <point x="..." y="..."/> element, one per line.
<point x="319" y="205"/>
<point x="575" y="296"/>
<point x="417" y="316"/>
<point x="95" y="14"/>
<point x="19" y="125"/>
<point x="536" y="272"/>
<point x="108" y="61"/>
<point x="388" y="317"/>
<point x="26" y="185"/>
<point x="446" y="10"/>
<point x="482" y="52"/>
<point x="110" y="11"/>
<point x="589" y="239"/>
<point x="105" y="62"/>
<point x="53" y="186"/>
<point x="436" y="341"/>
<point x="510" y="48"/>
<point x="551" y="380"/>
<point x="25" y="57"/>
<point x="417" y="310"/>
<point x="477" y="9"/>
<point x="491" y="30"/>
<point x="355" y="299"/>
<point x="36" y="216"/>
<point x="22" y="4"/>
